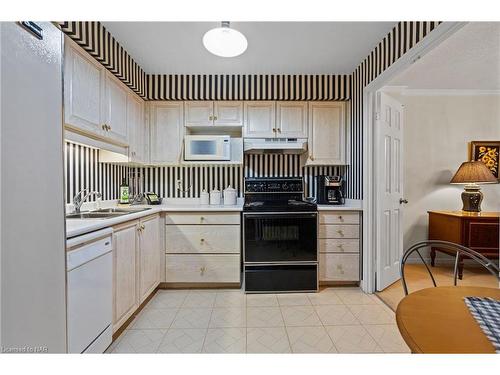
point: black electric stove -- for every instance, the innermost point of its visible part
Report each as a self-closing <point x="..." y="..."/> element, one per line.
<point x="279" y="237"/>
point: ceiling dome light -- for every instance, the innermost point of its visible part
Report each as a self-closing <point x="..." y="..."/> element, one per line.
<point x="224" y="41"/>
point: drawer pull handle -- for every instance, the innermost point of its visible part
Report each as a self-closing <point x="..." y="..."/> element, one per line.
<point x="341" y="232"/>
<point x="340" y="246"/>
<point x="202" y="270"/>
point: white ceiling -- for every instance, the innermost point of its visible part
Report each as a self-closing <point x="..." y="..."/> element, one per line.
<point x="467" y="60"/>
<point x="273" y="47"/>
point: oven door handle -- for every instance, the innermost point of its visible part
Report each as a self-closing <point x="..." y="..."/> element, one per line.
<point x="281" y="215"/>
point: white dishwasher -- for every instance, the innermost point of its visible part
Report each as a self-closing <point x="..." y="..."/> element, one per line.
<point x="90" y="291"/>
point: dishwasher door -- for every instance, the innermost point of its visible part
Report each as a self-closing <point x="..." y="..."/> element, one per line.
<point x="90" y="294"/>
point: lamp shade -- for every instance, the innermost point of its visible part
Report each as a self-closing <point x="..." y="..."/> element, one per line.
<point x="471" y="172"/>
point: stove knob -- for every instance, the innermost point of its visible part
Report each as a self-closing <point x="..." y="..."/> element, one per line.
<point x="284" y="186"/>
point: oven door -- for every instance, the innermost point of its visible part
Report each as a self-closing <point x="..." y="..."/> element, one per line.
<point x="280" y="237"/>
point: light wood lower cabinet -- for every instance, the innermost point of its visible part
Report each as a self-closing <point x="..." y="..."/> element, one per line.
<point x="203" y="247"/>
<point x="136" y="265"/>
<point x="339" y="246"/>
<point x="211" y="268"/>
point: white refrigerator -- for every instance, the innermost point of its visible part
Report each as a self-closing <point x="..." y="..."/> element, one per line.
<point x="33" y="271"/>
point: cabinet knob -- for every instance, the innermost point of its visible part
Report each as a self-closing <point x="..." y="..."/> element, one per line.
<point x="202" y="240"/>
<point x="279" y="130"/>
<point x="341" y="232"/>
<point x="103" y="126"/>
<point x="143" y="227"/>
<point x="311" y="157"/>
<point x="202" y="270"/>
<point x="341" y="218"/>
<point x="340" y="246"/>
<point x="210" y="118"/>
<point x="202" y="218"/>
<point x="274" y="130"/>
<point x="215" y="118"/>
<point x="109" y="127"/>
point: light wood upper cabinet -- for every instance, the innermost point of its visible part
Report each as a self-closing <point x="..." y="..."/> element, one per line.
<point x="166" y="125"/>
<point x="83" y="91"/>
<point x="124" y="272"/>
<point x="259" y="119"/>
<point x="149" y="256"/>
<point x="199" y="113"/>
<point x="228" y="113"/>
<point x="291" y="119"/>
<point x="327" y="133"/>
<point x="115" y="107"/>
<point x="138" y="130"/>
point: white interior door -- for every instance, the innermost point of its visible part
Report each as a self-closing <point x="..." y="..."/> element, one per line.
<point x="389" y="187"/>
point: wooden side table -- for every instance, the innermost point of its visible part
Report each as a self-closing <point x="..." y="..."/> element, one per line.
<point x="477" y="231"/>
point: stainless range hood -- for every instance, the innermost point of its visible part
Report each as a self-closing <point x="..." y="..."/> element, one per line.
<point x="275" y="145"/>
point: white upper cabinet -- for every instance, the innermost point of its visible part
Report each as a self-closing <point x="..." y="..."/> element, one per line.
<point x="83" y="90"/>
<point x="291" y="119"/>
<point x="138" y="130"/>
<point x="199" y="113"/>
<point x="327" y="133"/>
<point x="228" y="113"/>
<point x="259" y="119"/>
<point x="115" y="110"/>
<point x="166" y="128"/>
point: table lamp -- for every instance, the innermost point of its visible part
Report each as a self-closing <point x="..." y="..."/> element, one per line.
<point x="472" y="173"/>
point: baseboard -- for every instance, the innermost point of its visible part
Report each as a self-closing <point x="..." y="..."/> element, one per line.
<point x="169" y="285"/>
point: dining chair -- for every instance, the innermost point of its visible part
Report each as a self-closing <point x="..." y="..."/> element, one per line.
<point x="459" y="249"/>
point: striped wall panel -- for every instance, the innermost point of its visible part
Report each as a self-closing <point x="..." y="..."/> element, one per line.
<point x="249" y="87"/>
<point x="82" y="170"/>
<point x="98" y="42"/>
<point x="402" y="38"/>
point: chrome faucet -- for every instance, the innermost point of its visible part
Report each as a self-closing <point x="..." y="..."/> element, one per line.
<point x="82" y="196"/>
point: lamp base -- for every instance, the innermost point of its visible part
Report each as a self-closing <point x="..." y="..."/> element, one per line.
<point x="472" y="198"/>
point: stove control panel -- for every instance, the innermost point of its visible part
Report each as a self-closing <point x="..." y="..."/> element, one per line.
<point x="274" y="185"/>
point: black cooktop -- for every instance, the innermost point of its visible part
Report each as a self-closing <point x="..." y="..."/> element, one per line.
<point x="280" y="206"/>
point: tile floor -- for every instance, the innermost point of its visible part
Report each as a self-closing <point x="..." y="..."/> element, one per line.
<point x="335" y="320"/>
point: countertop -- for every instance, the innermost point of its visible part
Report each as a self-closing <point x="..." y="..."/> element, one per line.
<point x="76" y="227"/>
<point x="350" y="205"/>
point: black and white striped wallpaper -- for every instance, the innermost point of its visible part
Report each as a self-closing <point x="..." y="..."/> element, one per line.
<point x="248" y="87"/>
<point x="401" y="38"/>
<point x="83" y="170"/>
<point x="81" y="164"/>
<point x="99" y="43"/>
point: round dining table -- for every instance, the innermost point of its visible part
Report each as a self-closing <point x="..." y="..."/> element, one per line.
<point x="437" y="320"/>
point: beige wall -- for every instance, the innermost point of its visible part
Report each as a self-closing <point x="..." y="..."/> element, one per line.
<point x="436" y="132"/>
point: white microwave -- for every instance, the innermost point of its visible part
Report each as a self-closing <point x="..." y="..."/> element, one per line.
<point x="207" y="147"/>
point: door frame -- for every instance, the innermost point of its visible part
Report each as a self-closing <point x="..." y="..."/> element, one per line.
<point x="370" y="201"/>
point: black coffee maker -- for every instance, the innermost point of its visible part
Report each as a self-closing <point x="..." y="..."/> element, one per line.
<point x="329" y="190"/>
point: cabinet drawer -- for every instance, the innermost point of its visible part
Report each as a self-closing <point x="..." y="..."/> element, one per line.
<point x="202" y="239"/>
<point x="338" y="231"/>
<point x="483" y="236"/>
<point x="331" y="245"/>
<point x="203" y="268"/>
<point x="339" y="267"/>
<point x="339" y="217"/>
<point x="203" y="218"/>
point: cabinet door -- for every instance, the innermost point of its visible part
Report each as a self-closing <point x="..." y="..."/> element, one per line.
<point x="327" y="145"/>
<point x="83" y="91"/>
<point x="199" y="113"/>
<point x="116" y="110"/>
<point x="228" y="113"/>
<point x="166" y="133"/>
<point x="125" y="273"/>
<point x="138" y="136"/>
<point x="149" y="255"/>
<point x="259" y="119"/>
<point x="291" y="119"/>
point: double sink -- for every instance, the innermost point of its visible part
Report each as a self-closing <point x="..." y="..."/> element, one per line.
<point x="105" y="213"/>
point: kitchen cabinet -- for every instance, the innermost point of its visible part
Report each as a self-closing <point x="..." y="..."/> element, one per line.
<point x="259" y="119"/>
<point x="125" y="297"/>
<point x="138" y="130"/>
<point x="203" y="247"/>
<point x="327" y="133"/>
<point x="149" y="256"/>
<point x="84" y="90"/>
<point x="166" y="119"/>
<point x="95" y="101"/>
<point x="136" y="265"/>
<point x="213" y="113"/>
<point x="115" y="110"/>
<point x="291" y="119"/>
<point x="339" y="246"/>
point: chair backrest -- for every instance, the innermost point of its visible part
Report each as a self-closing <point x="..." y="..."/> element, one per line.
<point x="459" y="249"/>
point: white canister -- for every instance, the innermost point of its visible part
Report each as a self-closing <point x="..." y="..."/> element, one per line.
<point x="204" y="197"/>
<point x="215" y="197"/>
<point x="230" y="196"/>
